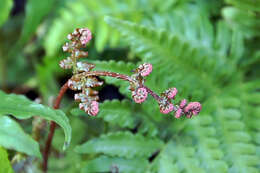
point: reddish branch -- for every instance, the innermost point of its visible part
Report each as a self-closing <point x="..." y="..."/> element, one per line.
<point x="52" y="128"/>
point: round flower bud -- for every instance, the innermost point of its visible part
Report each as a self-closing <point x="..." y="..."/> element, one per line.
<point x="145" y="69"/>
<point x="166" y="108"/>
<point x="183" y="103"/>
<point x="178" y="113"/>
<point x="86" y="36"/>
<point x="171" y="93"/>
<point x="139" y="95"/>
<point x="93" y="110"/>
<point x="193" y="108"/>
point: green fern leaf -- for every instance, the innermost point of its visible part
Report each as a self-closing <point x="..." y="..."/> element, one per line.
<point x="114" y="112"/>
<point x="236" y="143"/>
<point x="13" y="137"/>
<point x="122" y="144"/>
<point x="110" y="164"/>
<point x="208" y="145"/>
<point x="161" y="48"/>
<point x="243" y="20"/>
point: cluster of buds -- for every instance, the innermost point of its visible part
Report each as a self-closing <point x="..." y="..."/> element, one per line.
<point x="84" y="79"/>
<point x="79" y="82"/>
<point x="140" y="93"/>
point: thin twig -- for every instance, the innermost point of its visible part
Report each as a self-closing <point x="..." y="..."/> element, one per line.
<point x="52" y="128"/>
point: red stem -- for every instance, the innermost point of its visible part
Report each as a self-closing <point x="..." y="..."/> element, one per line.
<point x="107" y="73"/>
<point x="52" y="128"/>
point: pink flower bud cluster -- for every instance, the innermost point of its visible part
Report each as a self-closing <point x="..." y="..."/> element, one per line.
<point x="79" y="38"/>
<point x="193" y="108"/>
<point x="87" y="97"/>
<point x="84" y="79"/>
<point x="139" y="93"/>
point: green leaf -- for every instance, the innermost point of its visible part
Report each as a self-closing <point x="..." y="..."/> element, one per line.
<point x="243" y="20"/>
<point x="108" y="164"/>
<point x="4" y="162"/>
<point x="5" y="8"/>
<point x="22" y="108"/>
<point x="161" y="48"/>
<point x="122" y="144"/>
<point x="12" y="136"/>
<point x="114" y="112"/>
<point x="36" y="10"/>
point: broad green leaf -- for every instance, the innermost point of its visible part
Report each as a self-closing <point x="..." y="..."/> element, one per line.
<point x="110" y="164"/>
<point x="22" y="108"/>
<point x="12" y="136"/>
<point x="122" y="144"/>
<point x="35" y="11"/>
<point x="5" y="166"/>
<point x="114" y="112"/>
<point x="5" y="8"/>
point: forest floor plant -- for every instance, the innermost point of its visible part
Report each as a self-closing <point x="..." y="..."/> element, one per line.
<point x="84" y="80"/>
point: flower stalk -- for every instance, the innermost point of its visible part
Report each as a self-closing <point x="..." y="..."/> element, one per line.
<point x="84" y="80"/>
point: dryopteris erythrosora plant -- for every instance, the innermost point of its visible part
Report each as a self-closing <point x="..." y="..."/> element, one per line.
<point x="84" y="80"/>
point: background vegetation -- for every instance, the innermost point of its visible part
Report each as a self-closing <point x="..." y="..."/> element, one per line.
<point x="208" y="49"/>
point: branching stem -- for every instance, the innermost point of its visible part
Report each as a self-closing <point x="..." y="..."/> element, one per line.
<point x="57" y="102"/>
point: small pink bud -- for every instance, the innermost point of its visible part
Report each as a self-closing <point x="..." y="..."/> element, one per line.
<point x="171" y="93"/>
<point x="93" y="108"/>
<point x="139" y="95"/>
<point x="145" y="69"/>
<point x="183" y="103"/>
<point x="167" y="108"/>
<point x="192" y="107"/>
<point x="86" y="35"/>
<point x="178" y="113"/>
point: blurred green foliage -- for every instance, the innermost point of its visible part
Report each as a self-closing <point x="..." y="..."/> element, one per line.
<point x="208" y="49"/>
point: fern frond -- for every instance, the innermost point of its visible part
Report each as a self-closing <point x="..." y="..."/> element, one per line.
<point x="161" y="48"/>
<point x="208" y="145"/>
<point x="236" y="143"/>
<point x="122" y="144"/>
<point x="243" y="16"/>
<point x="111" y="164"/>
